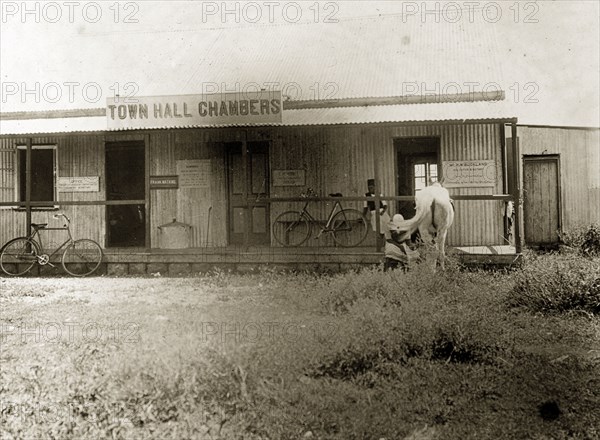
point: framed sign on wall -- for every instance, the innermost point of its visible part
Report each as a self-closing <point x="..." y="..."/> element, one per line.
<point x="289" y="177"/>
<point x="469" y="173"/>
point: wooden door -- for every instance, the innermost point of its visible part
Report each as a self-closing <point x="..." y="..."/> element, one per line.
<point x="248" y="185"/>
<point x="541" y="193"/>
<point x="125" y="180"/>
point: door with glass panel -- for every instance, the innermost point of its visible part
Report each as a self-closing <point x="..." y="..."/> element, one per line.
<point x="248" y="186"/>
<point x="417" y="166"/>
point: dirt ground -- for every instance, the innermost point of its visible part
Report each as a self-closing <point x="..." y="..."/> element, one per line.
<point x="280" y="356"/>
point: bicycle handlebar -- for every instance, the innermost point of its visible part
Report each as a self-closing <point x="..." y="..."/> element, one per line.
<point x="57" y="216"/>
<point x="311" y="193"/>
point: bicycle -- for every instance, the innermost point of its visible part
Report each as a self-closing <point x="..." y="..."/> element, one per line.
<point x="348" y="227"/>
<point x="80" y="257"/>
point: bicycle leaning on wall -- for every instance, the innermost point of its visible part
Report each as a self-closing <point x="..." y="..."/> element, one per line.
<point x="80" y="257"/>
<point x="347" y="226"/>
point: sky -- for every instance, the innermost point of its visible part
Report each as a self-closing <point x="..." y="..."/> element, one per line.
<point x="61" y="55"/>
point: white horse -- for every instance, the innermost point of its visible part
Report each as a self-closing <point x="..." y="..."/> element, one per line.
<point x="434" y="216"/>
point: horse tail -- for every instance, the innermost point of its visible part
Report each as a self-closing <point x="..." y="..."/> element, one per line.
<point x="411" y="225"/>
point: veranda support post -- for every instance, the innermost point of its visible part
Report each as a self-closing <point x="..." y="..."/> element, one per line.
<point x="28" y="185"/>
<point x="377" y="200"/>
<point x="516" y="177"/>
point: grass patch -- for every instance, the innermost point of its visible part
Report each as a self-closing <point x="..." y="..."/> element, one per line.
<point x="274" y="356"/>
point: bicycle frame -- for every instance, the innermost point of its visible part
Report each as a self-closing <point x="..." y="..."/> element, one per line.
<point x="327" y="228"/>
<point x="79" y="257"/>
<point x="37" y="230"/>
<point x="347" y="226"/>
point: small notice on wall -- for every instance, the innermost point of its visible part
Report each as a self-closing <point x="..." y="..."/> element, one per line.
<point x="194" y="173"/>
<point x="78" y="184"/>
<point x="469" y="173"/>
<point x="289" y="178"/>
<point x="164" y="182"/>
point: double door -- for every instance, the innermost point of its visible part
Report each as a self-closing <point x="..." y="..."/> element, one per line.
<point x="248" y="186"/>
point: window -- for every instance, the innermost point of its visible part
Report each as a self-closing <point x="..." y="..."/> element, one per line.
<point x="43" y="166"/>
<point x="424" y="174"/>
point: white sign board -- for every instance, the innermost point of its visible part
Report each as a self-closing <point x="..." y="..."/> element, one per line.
<point x="194" y="173"/>
<point x="289" y="178"/>
<point x="78" y="184"/>
<point x="469" y="173"/>
<point x="245" y="108"/>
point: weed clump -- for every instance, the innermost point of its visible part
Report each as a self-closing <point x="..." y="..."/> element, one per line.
<point x="591" y="241"/>
<point x="445" y="344"/>
<point x="557" y="284"/>
<point x="393" y="338"/>
<point x="586" y="240"/>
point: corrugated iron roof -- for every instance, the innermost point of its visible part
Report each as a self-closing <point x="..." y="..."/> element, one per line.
<point x="372" y="114"/>
<point x="52" y="125"/>
<point x="366" y="57"/>
<point x="433" y="112"/>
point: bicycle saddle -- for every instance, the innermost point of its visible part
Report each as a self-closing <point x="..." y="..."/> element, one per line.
<point x="336" y="195"/>
<point x="39" y="225"/>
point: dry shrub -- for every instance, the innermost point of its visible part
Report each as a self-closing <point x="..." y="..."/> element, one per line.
<point x="556" y="284"/>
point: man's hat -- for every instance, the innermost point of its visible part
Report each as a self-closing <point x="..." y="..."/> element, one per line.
<point x="397" y="219"/>
<point x="370" y="182"/>
<point x="399" y="224"/>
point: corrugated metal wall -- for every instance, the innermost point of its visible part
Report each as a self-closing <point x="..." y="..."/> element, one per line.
<point x="76" y="156"/>
<point x="205" y="209"/>
<point x="335" y="158"/>
<point x="11" y="223"/>
<point x="476" y="222"/>
<point x="341" y="159"/>
<point x="579" y="152"/>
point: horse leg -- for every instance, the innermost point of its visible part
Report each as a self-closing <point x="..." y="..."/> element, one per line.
<point x="442" y="246"/>
<point x="430" y="245"/>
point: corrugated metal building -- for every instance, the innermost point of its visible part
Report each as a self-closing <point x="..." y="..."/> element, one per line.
<point x="560" y="168"/>
<point x="400" y="111"/>
<point x="335" y="149"/>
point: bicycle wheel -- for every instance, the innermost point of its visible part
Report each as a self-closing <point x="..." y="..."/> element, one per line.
<point x="18" y="256"/>
<point x="82" y="257"/>
<point x="291" y="228"/>
<point x="349" y="227"/>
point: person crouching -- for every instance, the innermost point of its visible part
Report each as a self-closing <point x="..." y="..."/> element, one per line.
<point x="397" y="252"/>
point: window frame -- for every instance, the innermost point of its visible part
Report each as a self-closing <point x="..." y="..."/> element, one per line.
<point x="426" y="161"/>
<point x="18" y="172"/>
